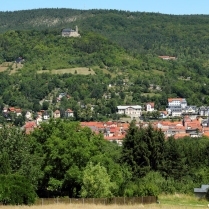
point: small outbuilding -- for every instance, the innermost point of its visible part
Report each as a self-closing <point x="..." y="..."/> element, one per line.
<point x="201" y="192"/>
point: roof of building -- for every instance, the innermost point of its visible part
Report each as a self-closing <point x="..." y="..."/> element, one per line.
<point x="175" y="99"/>
<point x="152" y="104"/>
<point x="69" y="111"/>
<point x="123" y="107"/>
<point x="68" y="30"/>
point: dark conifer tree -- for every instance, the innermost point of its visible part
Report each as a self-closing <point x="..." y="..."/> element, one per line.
<point x="143" y="149"/>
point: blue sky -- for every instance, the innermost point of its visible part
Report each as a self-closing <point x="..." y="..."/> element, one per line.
<point x="161" y="6"/>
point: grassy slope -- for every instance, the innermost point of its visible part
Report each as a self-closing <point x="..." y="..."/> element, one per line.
<point x="78" y="70"/>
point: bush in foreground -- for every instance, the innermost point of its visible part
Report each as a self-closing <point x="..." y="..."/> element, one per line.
<point x="16" y="190"/>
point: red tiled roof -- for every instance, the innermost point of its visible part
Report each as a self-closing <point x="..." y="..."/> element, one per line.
<point x="121" y="137"/>
<point x="206" y="134"/>
<point x="180" y="135"/>
<point x="12" y="109"/>
<point x="152" y="104"/>
<point x="30" y="124"/>
<point x="174" y="99"/>
<point x="69" y="110"/>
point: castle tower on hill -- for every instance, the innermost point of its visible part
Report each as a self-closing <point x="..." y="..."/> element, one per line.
<point x="68" y="32"/>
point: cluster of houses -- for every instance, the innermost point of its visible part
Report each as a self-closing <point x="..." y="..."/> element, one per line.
<point x="195" y="122"/>
<point x="188" y="126"/>
<point x="34" y="120"/>
<point x="177" y="107"/>
<point x="192" y="121"/>
<point x="43" y="116"/>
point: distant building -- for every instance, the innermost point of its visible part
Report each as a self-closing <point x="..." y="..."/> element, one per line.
<point x="176" y="106"/>
<point x="69" y="113"/>
<point x="19" y="60"/>
<point x="133" y="111"/>
<point x="56" y="114"/>
<point x="68" y="32"/>
<point x="150" y="107"/>
<point x="177" y="102"/>
<point x="167" y="57"/>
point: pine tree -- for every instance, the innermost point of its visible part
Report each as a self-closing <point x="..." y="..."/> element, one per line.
<point x="175" y="165"/>
<point x="143" y="149"/>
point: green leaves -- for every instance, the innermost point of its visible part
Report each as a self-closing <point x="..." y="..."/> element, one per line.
<point x="16" y="190"/>
<point x="96" y="182"/>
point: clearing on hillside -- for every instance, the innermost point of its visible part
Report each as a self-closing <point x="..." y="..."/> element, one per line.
<point x="10" y="66"/>
<point x="78" y="70"/>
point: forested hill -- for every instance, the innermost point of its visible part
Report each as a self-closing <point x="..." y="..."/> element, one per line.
<point x="117" y="47"/>
<point x="139" y="31"/>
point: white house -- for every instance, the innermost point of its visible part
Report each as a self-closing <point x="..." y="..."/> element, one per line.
<point x="150" y="107"/>
<point x="28" y="115"/>
<point x="177" y="102"/>
<point x="56" y="114"/>
<point x="131" y="110"/>
<point x="69" y="113"/>
<point x="38" y="120"/>
<point x="46" y="116"/>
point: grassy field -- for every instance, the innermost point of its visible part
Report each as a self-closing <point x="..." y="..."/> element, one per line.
<point x="158" y="72"/>
<point x="150" y="94"/>
<point x="166" y="202"/>
<point x="78" y="70"/>
<point x="79" y="206"/>
<point x="13" y="67"/>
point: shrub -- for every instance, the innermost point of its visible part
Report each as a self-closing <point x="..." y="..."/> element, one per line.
<point x="16" y="190"/>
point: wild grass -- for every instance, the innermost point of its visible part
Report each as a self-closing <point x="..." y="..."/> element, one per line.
<point x="79" y="206"/>
<point x="14" y="67"/>
<point x="177" y="201"/>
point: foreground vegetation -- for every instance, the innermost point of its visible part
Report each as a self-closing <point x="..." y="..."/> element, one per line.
<point x="63" y="159"/>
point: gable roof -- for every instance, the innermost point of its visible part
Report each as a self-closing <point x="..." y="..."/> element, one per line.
<point x="57" y="112"/>
<point x="69" y="111"/>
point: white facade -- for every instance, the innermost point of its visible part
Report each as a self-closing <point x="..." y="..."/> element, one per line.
<point x="133" y="110"/>
<point x="150" y="107"/>
<point x="174" y="102"/>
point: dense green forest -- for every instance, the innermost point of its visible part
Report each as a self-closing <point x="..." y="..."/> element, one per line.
<point x="63" y="159"/>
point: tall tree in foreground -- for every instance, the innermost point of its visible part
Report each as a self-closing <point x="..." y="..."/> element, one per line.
<point x="143" y="149"/>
